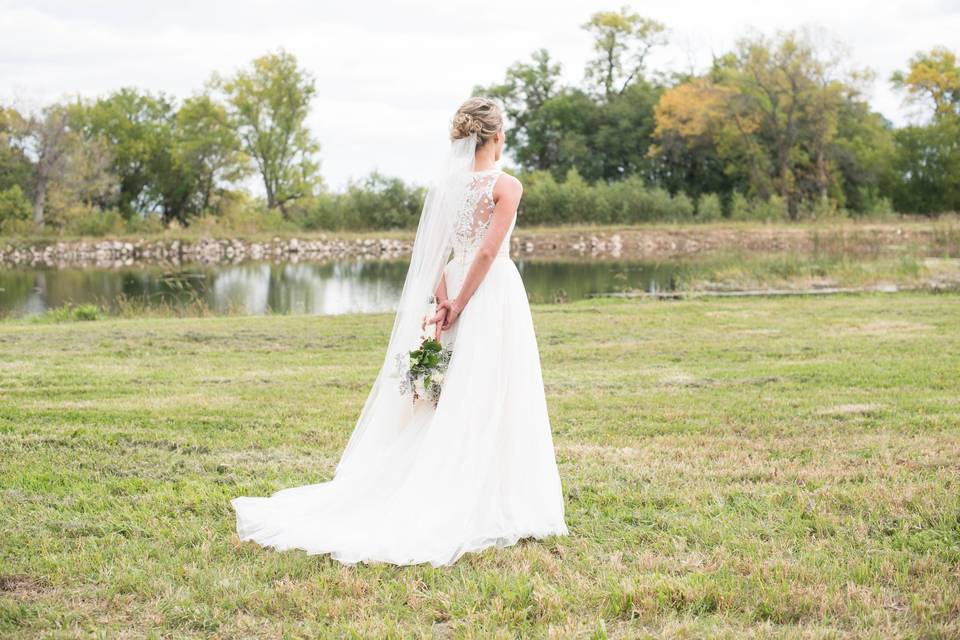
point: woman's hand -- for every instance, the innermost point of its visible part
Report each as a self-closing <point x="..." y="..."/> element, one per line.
<point x="453" y="311"/>
<point x="447" y="313"/>
<point x="439" y="319"/>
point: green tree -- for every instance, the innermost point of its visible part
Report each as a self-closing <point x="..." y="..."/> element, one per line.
<point x="621" y="139"/>
<point x="138" y="129"/>
<point x="269" y="104"/>
<point x="603" y="131"/>
<point x="15" y="209"/>
<point x="863" y="153"/>
<point x="16" y="168"/>
<point x="928" y="156"/>
<point x="622" y="41"/>
<point x="766" y="120"/>
<point x="691" y="126"/>
<point x="51" y="141"/>
<point x="532" y="136"/>
<point x="380" y="202"/>
<point x="790" y="91"/>
<point x="208" y="149"/>
<point x="932" y="80"/>
<point x="928" y="168"/>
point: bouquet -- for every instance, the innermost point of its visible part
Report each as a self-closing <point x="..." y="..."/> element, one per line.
<point x="422" y="370"/>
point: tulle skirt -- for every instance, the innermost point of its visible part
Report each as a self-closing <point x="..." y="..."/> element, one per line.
<point x="430" y="484"/>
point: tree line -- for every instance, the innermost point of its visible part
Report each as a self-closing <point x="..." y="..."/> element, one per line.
<point x="134" y="156"/>
<point x="777" y="128"/>
<point x="779" y="121"/>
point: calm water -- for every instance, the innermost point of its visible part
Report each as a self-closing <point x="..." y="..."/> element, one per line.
<point x="329" y="288"/>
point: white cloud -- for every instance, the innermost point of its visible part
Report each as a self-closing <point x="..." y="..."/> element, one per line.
<point x="389" y="74"/>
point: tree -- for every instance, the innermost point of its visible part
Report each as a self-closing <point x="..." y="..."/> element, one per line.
<point x="208" y="149"/>
<point x="864" y="152"/>
<point x="15" y="209"/>
<point x="138" y="129"/>
<point x="87" y="180"/>
<point x="928" y="156"/>
<point x="621" y="140"/>
<point x="380" y="202"/>
<point x="699" y="149"/>
<point x="622" y="41"/>
<point x="933" y="78"/>
<point x="526" y="89"/>
<point x="16" y="167"/>
<point x="269" y="104"/>
<point x="168" y="160"/>
<point x="791" y="91"/>
<point x="556" y="128"/>
<point x="928" y="168"/>
<point x="769" y="112"/>
<point x="50" y="142"/>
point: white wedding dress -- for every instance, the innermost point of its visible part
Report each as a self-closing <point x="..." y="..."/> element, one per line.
<point x="425" y="483"/>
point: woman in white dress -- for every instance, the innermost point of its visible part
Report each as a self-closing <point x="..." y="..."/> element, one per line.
<point x="423" y="483"/>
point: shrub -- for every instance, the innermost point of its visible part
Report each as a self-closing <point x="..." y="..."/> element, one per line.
<point x="743" y="209"/>
<point x="322" y="212"/>
<point x="879" y="207"/>
<point x="242" y="214"/>
<point x="621" y="201"/>
<point x="655" y="205"/>
<point x="15" y="210"/>
<point x="709" y="207"/>
<point x="70" y="313"/>
<point x="773" y="209"/>
<point x="579" y="199"/>
<point x="540" y="197"/>
<point x="84" y="220"/>
<point x="681" y="208"/>
<point x="820" y="208"/>
<point x="144" y="224"/>
<point x="379" y="202"/>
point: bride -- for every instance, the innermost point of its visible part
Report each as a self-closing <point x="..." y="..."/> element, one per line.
<point x="422" y="483"/>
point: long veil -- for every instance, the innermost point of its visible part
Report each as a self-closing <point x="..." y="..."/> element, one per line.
<point x="385" y="408"/>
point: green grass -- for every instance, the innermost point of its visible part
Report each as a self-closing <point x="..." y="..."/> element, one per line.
<point x="733" y="468"/>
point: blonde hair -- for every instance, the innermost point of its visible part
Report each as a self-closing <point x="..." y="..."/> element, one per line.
<point x="479" y="117"/>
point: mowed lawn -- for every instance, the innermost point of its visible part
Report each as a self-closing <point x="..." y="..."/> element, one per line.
<point x="736" y="467"/>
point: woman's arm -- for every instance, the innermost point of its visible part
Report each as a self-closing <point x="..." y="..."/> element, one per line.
<point x="506" y="197"/>
<point x="440" y="296"/>
<point x="441" y="292"/>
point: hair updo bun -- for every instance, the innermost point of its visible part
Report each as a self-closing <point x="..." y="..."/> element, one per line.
<point x="478" y="117"/>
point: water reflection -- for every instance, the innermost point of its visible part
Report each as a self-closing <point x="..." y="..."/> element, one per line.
<point x="329" y="288"/>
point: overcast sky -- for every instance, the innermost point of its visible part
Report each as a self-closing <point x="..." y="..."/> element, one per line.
<point x="390" y="74"/>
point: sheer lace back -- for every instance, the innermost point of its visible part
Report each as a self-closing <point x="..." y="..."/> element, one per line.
<point x="475" y="215"/>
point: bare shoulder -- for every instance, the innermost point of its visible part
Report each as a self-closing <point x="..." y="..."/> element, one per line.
<point x="507" y="186"/>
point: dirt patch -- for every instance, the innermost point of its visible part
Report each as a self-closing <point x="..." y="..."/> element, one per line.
<point x="607" y="453"/>
<point x="841" y="410"/>
<point x="20" y="586"/>
<point x="886" y="327"/>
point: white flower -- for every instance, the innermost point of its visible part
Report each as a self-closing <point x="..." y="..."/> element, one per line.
<point x="437" y="377"/>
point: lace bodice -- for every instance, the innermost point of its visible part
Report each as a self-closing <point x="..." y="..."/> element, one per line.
<point x="474" y="217"/>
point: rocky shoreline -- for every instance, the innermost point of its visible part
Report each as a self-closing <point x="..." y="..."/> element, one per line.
<point x="629" y="243"/>
<point x="120" y="253"/>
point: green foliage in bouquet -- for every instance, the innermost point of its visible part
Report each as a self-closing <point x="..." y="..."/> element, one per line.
<point x="421" y="373"/>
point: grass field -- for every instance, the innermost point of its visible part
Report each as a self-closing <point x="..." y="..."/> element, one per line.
<point x="732" y="468"/>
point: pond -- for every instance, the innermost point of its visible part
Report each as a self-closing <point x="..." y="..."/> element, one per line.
<point x="347" y="286"/>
